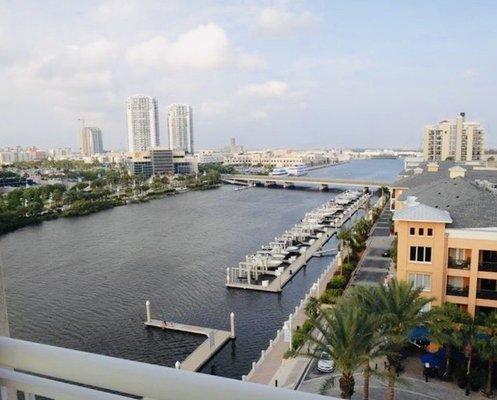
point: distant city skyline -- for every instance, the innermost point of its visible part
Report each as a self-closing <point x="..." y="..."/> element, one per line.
<point x="301" y="74"/>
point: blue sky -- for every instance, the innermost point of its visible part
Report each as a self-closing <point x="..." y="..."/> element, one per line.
<point x="272" y="74"/>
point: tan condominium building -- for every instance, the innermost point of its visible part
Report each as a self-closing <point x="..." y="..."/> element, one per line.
<point x="453" y="140"/>
<point x="445" y="219"/>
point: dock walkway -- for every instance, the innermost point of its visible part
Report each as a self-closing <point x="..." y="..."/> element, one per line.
<point x="277" y="284"/>
<point x="216" y="339"/>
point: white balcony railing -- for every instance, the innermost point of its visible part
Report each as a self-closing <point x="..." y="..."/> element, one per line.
<point x="57" y="373"/>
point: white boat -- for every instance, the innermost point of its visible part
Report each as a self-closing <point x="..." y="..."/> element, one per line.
<point x="297" y="170"/>
<point x="278" y="172"/>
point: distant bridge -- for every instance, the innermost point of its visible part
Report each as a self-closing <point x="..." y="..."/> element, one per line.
<point x="291" y="181"/>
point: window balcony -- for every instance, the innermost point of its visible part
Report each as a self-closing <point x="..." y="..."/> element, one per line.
<point x="487" y="294"/>
<point x="490" y="266"/>
<point x="457" y="291"/>
<point x="457" y="263"/>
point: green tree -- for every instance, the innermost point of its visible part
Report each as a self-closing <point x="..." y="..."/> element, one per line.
<point x="486" y="345"/>
<point x="345" y="334"/>
<point x="443" y="324"/>
<point x="399" y="306"/>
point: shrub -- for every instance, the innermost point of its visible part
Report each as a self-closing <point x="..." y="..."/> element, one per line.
<point x="338" y="282"/>
<point x="330" y="296"/>
<point x="307" y="326"/>
<point x="348" y="267"/>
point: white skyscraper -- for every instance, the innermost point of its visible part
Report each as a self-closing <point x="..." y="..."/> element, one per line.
<point x="142" y="117"/>
<point x="91" y="141"/>
<point x="180" y="127"/>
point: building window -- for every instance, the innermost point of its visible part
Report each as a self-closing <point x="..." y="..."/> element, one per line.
<point x="430" y="232"/>
<point x="422" y="281"/>
<point x="420" y="254"/>
<point x="412" y="231"/>
<point x="421" y="231"/>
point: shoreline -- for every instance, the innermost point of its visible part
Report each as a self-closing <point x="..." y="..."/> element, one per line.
<point x="102" y="205"/>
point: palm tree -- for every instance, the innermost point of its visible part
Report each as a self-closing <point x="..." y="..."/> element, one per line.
<point x="345" y="334"/>
<point x="470" y="333"/>
<point x="345" y="237"/>
<point x="375" y="347"/>
<point x="443" y="323"/>
<point x="399" y="308"/>
<point x="487" y="346"/>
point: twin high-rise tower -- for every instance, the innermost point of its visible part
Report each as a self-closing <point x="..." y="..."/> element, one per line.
<point x="142" y="117"/>
<point x="180" y="127"/>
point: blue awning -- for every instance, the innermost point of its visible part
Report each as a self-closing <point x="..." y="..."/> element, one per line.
<point x="419" y="333"/>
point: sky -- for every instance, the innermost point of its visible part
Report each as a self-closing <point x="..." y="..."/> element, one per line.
<point x="272" y="74"/>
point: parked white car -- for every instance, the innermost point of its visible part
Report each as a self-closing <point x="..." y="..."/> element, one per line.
<point x="325" y="363"/>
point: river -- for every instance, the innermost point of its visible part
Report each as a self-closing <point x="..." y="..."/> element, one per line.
<point x="82" y="283"/>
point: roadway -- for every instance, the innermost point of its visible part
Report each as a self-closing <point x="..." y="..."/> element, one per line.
<point x="302" y="180"/>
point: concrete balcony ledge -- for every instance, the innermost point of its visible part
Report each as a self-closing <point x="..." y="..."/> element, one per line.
<point x="110" y="378"/>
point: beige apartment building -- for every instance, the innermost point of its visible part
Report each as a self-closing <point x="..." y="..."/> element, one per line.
<point x="456" y="140"/>
<point x="445" y="219"/>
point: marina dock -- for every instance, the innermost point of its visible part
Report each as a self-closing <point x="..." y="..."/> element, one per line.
<point x="215" y="339"/>
<point x="272" y="267"/>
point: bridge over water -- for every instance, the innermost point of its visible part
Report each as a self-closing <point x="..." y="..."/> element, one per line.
<point x="291" y="181"/>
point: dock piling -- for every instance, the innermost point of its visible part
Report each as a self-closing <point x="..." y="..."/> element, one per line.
<point x="147" y="306"/>
<point x="232" y="325"/>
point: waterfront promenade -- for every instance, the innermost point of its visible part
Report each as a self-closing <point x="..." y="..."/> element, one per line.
<point x="272" y="368"/>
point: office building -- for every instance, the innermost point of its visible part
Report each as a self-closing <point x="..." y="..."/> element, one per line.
<point x="91" y="141"/>
<point x="142" y="118"/>
<point x="453" y="140"/>
<point x="180" y="127"/>
<point x="162" y="160"/>
<point x="445" y="220"/>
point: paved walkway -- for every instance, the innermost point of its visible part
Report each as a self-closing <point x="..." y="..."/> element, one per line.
<point x="413" y="388"/>
<point x="373" y="267"/>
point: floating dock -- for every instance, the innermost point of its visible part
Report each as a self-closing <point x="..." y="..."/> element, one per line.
<point x="215" y="340"/>
<point x="271" y="268"/>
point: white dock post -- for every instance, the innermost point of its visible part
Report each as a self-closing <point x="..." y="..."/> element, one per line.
<point x="147" y="306"/>
<point x="177" y="365"/>
<point x="228" y="275"/>
<point x="232" y="324"/>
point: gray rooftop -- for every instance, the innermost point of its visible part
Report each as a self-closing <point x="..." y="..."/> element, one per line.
<point x="469" y="205"/>
<point x="422" y="212"/>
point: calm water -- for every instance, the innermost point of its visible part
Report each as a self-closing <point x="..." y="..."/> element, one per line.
<point x="82" y="283"/>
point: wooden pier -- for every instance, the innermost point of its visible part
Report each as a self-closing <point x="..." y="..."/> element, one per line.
<point x="215" y="339"/>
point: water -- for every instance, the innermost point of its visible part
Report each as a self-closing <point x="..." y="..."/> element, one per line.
<point x="82" y="283"/>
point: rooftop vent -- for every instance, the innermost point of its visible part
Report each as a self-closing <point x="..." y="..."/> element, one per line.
<point x="432" y="167"/>
<point x="457" y="172"/>
<point x="411" y="201"/>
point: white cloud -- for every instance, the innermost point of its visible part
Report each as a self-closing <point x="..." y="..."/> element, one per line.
<point x="110" y="9"/>
<point x="280" y="22"/>
<point x="469" y="74"/>
<point x="265" y="90"/>
<point x="204" y="47"/>
<point x="250" y="61"/>
<point x="212" y="109"/>
<point x="259" y="115"/>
